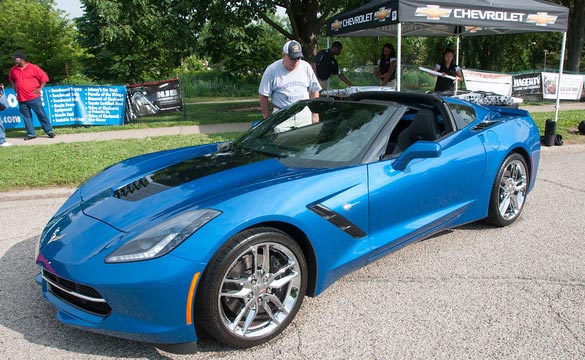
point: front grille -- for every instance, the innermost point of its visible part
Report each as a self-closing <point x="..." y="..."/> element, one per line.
<point x="81" y="296"/>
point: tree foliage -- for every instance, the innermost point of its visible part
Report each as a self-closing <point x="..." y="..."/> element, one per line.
<point x="307" y="18"/>
<point x="35" y="28"/>
<point x="240" y="50"/>
<point x="575" y="33"/>
<point x="134" y="40"/>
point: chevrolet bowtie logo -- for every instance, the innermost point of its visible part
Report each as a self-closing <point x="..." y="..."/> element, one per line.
<point x="336" y="25"/>
<point x="382" y="14"/>
<point x="541" y="19"/>
<point x="55" y="236"/>
<point x="433" y="12"/>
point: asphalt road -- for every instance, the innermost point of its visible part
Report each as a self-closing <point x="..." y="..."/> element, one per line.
<point x="475" y="292"/>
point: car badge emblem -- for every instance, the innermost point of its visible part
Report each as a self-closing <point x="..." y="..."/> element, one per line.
<point x="55" y="236"/>
<point x="348" y="206"/>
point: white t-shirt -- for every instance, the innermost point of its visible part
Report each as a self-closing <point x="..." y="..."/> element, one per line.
<point x="287" y="87"/>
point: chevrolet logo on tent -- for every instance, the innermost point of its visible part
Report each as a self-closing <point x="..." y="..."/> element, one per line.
<point x="432" y="12"/>
<point x="541" y="19"/>
<point x="382" y="14"/>
<point x="336" y="25"/>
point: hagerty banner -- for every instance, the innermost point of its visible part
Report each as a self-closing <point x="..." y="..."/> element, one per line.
<point x="72" y="105"/>
<point x="527" y="84"/>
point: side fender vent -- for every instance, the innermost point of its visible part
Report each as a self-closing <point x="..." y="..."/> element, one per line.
<point x="338" y="220"/>
<point x="484" y="125"/>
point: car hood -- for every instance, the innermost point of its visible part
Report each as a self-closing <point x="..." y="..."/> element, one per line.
<point x="149" y="188"/>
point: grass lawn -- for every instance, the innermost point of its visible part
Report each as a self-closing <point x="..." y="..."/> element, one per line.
<point x="566" y="125"/>
<point x="70" y="164"/>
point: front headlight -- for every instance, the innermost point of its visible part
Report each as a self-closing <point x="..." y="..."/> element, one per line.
<point x="162" y="238"/>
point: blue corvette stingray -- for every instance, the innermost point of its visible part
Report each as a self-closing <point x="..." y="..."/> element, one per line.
<point x="228" y="238"/>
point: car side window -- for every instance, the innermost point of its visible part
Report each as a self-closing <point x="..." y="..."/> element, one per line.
<point x="463" y="114"/>
<point x="415" y="125"/>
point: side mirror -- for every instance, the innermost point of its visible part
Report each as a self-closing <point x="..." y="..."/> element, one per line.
<point x="418" y="150"/>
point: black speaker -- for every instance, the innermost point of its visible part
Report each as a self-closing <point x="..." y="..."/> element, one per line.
<point x="550" y="131"/>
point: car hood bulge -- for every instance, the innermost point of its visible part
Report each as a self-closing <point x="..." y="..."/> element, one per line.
<point x="153" y="192"/>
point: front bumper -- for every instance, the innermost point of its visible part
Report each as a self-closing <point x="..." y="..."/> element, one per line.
<point x="149" y="301"/>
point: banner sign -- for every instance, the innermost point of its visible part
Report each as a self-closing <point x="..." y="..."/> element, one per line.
<point x="367" y="16"/>
<point x="500" y="84"/>
<point x="72" y="105"/>
<point x="448" y="18"/>
<point x="570" y="89"/>
<point x="527" y="84"/>
<point x="153" y="98"/>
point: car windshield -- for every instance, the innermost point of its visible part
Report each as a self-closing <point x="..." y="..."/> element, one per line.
<point x="319" y="133"/>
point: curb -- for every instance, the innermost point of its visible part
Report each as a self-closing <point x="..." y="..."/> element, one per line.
<point x="35" y="194"/>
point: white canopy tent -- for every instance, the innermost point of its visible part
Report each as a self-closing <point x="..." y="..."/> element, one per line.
<point x="451" y="18"/>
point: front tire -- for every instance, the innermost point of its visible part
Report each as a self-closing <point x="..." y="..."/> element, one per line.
<point x="253" y="287"/>
<point x="509" y="191"/>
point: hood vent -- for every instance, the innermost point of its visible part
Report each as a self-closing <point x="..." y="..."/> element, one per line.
<point x="139" y="189"/>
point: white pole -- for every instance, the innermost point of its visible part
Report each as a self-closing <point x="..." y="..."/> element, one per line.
<point x="398" y="55"/>
<point x="457" y="63"/>
<point x="328" y="47"/>
<point x="561" y="65"/>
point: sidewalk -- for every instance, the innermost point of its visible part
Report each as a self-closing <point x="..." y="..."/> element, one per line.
<point x="43" y="139"/>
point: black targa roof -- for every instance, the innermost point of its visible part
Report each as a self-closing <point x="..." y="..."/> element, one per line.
<point x="448" y="18"/>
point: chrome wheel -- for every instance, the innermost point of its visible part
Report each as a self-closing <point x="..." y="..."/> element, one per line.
<point x="253" y="287"/>
<point x="512" y="190"/>
<point x="259" y="290"/>
<point x="509" y="191"/>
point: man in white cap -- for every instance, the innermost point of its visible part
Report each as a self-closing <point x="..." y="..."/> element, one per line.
<point x="288" y="80"/>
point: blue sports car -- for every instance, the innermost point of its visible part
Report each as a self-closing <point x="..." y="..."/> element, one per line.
<point x="228" y="238"/>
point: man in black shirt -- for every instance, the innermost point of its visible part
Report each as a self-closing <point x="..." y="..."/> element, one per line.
<point x="325" y="65"/>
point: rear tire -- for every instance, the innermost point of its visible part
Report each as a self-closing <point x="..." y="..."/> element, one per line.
<point x="509" y="191"/>
<point x="252" y="288"/>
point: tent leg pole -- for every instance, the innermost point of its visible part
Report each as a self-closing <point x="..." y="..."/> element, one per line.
<point x="398" y="55"/>
<point x="561" y="65"/>
<point x="457" y="62"/>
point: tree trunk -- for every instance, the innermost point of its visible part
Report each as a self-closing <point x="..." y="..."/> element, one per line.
<point x="575" y="33"/>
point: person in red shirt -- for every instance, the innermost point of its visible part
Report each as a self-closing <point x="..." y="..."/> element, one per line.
<point x="28" y="81"/>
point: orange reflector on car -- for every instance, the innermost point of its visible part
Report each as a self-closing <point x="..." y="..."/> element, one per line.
<point x="189" y="309"/>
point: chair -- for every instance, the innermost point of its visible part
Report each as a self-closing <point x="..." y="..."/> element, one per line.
<point x="423" y="127"/>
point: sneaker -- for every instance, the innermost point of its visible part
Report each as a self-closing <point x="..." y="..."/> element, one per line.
<point x="4" y="144"/>
<point x="51" y="135"/>
<point x="30" y="137"/>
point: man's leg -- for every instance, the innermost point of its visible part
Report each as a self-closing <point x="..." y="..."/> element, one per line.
<point x="37" y="106"/>
<point x="27" y="118"/>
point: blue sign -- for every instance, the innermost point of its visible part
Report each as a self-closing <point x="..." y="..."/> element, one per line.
<point x="72" y="105"/>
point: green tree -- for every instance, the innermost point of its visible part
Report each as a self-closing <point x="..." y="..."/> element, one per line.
<point x="575" y="33"/>
<point x="307" y="18"/>
<point x="40" y="31"/>
<point x="240" y="50"/>
<point x="134" y="40"/>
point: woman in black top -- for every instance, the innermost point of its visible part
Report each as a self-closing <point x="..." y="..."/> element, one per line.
<point x="386" y="70"/>
<point x="447" y="67"/>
